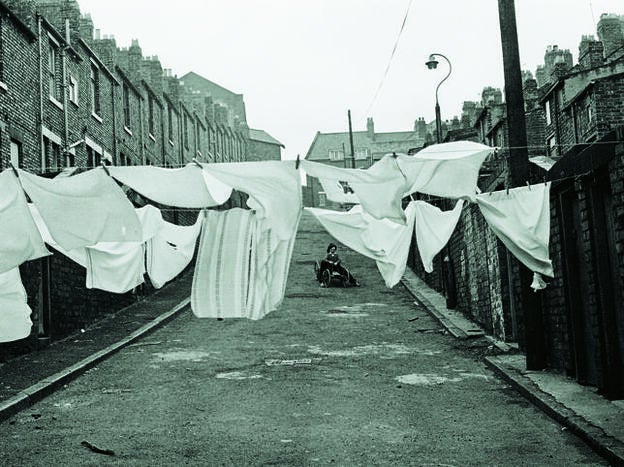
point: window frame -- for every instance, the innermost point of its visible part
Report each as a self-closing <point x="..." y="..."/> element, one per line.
<point x="95" y="89"/>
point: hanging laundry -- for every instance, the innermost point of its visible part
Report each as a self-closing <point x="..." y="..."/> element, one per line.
<point x="21" y="240"/>
<point x="274" y="190"/>
<point x="270" y="263"/>
<point x="385" y="241"/>
<point x="15" y="313"/>
<point x="171" y="250"/>
<point x="83" y="209"/>
<point x="450" y="170"/>
<point x="378" y="189"/>
<point x="111" y="266"/>
<point x="221" y="278"/>
<point x="339" y="191"/>
<point x="520" y="218"/>
<point x="434" y="228"/>
<point x="186" y="187"/>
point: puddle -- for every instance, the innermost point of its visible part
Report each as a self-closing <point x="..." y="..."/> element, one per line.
<point x="424" y="379"/>
<point x="237" y="375"/>
<point x="183" y="355"/>
<point x="430" y="379"/>
<point x="384" y="350"/>
<point x="352" y="311"/>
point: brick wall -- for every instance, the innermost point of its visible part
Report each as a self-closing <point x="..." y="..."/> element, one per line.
<point x="261" y="151"/>
<point x="19" y="102"/>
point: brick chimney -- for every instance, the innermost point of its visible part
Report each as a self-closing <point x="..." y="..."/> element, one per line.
<point x="25" y="10"/>
<point x="57" y="12"/>
<point x="135" y="57"/>
<point x="560" y="68"/>
<point x="420" y="127"/>
<point x="591" y="52"/>
<point x="86" y="28"/>
<point x="370" y="128"/>
<point x="529" y="90"/>
<point x="106" y="49"/>
<point x="610" y="32"/>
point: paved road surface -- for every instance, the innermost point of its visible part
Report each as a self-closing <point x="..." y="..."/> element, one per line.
<point x="357" y="376"/>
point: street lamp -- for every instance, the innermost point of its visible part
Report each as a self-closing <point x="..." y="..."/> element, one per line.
<point x="432" y="64"/>
<point x="447" y="263"/>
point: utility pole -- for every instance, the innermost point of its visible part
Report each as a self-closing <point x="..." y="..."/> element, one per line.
<point x="518" y="162"/>
<point x="351" y="141"/>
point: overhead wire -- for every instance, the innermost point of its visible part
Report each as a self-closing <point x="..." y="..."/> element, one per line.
<point x="394" y="48"/>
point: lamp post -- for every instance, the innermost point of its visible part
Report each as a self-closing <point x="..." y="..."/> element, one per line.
<point x="432" y="64"/>
<point x="447" y="263"/>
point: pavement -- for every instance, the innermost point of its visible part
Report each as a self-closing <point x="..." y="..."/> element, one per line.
<point x="29" y="378"/>
<point x="580" y="409"/>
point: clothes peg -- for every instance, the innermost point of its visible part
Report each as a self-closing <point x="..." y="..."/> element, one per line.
<point x="197" y="162"/>
<point x="528" y="186"/>
<point x="507" y="190"/>
<point x="297" y="162"/>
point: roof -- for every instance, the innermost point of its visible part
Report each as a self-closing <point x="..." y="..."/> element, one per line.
<point x="263" y="137"/>
<point x="588" y="86"/>
<point x="382" y="143"/>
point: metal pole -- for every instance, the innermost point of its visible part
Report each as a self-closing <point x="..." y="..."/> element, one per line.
<point x="351" y="141"/>
<point x="448" y="270"/>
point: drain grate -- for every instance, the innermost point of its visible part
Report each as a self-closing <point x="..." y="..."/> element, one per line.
<point x="292" y="362"/>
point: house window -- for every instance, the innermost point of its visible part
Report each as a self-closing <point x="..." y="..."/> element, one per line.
<point x="150" y="105"/>
<point x="73" y="90"/>
<point x="547" y="111"/>
<point x="95" y="89"/>
<point x="52" y="154"/>
<point x="336" y="155"/>
<point x="17" y="156"/>
<point x="552" y="147"/>
<point x="362" y="153"/>
<point x="589" y="112"/>
<point x="93" y="158"/>
<point x="125" y="90"/>
<point x="53" y="71"/>
<point x="170" y="122"/>
<point x="185" y="130"/>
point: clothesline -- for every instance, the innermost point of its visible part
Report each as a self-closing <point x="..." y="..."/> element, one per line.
<point x="180" y="165"/>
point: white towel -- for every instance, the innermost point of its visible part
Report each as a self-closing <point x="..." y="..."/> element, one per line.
<point x="220" y="282"/>
<point x="15" y="313"/>
<point x="274" y="190"/>
<point x="21" y="240"/>
<point x="385" y="241"/>
<point x="171" y="250"/>
<point x="450" y="170"/>
<point x="434" y="228"/>
<point x="186" y="187"/>
<point x="83" y="209"/>
<point x="521" y="219"/>
<point x="111" y="266"/>
<point x="378" y="189"/>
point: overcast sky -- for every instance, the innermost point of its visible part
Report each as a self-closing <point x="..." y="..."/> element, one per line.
<point x="301" y="64"/>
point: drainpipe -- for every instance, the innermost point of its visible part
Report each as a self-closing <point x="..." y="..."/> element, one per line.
<point x="141" y="135"/>
<point x="42" y="165"/>
<point x="44" y="305"/>
<point x="64" y="88"/>
<point x="115" y="160"/>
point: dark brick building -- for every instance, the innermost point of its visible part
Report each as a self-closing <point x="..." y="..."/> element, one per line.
<point x="70" y="97"/>
<point x="575" y="120"/>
